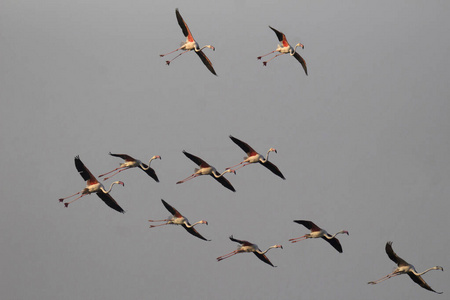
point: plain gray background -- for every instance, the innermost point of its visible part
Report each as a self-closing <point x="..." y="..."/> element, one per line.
<point x="363" y="142"/>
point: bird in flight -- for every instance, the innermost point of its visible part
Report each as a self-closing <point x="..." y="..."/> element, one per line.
<point x="207" y="169"/>
<point x="285" y="48"/>
<point x="93" y="186"/>
<point x="317" y="232"/>
<point x="254" y="157"/>
<point x="249" y="247"/>
<point x="131" y="162"/>
<point x="405" y="268"/>
<point x="190" y="45"/>
<point x="179" y="219"/>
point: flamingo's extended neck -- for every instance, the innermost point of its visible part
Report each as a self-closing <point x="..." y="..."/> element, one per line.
<point x="199" y="222"/>
<point x="340" y="232"/>
<point x="220" y="175"/>
<point x="206" y="46"/>
<point x="271" y="247"/>
<point x="292" y="52"/>
<point x="267" y="155"/>
<point x="110" y="188"/>
<point x="149" y="162"/>
<point x="427" y="270"/>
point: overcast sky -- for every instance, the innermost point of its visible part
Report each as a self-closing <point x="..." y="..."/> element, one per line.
<point x="363" y="142"/>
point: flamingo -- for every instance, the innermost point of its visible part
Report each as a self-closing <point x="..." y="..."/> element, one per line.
<point x="285" y="48"/>
<point x="190" y="44"/>
<point x="179" y="219"/>
<point x="207" y="169"/>
<point x="93" y="186"/>
<point x="132" y="163"/>
<point x="317" y="232"/>
<point x="406" y="268"/>
<point x="249" y="247"/>
<point x="254" y="157"/>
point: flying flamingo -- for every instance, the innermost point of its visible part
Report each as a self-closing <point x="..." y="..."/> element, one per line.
<point x="317" y="232"/>
<point x="254" y="157"/>
<point x="93" y="186"/>
<point x="406" y="268"/>
<point x="285" y="48"/>
<point x="132" y="163"/>
<point x="249" y="247"/>
<point x="179" y="219"/>
<point x="190" y="44"/>
<point x="207" y="169"/>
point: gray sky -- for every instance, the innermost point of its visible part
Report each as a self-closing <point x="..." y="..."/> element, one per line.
<point x="363" y="142"/>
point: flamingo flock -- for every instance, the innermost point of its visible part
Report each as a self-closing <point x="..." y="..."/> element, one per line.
<point x="204" y="168"/>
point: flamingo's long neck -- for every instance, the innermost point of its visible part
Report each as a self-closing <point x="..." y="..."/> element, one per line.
<point x="110" y="188"/>
<point x="418" y="274"/>
<point x="292" y="52"/>
<point x="336" y="234"/>
<point x="190" y="226"/>
<point x="217" y="176"/>
<point x="264" y="252"/>
<point x="267" y="156"/>
<point x="149" y="162"/>
<point x="198" y="50"/>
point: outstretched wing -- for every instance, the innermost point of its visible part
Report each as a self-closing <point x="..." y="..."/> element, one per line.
<point x="272" y="168"/>
<point x="150" y="172"/>
<point x="171" y="209"/>
<point x="206" y="61"/>
<point x="244" y="146"/>
<point x="110" y="201"/>
<point x="393" y="256"/>
<point x="200" y="162"/>
<point x="194" y="232"/>
<point x="224" y="182"/>
<point x="335" y="243"/>
<point x="281" y="37"/>
<point x="264" y="258"/>
<point x="419" y="280"/>
<point x="123" y="156"/>
<point x="242" y="242"/>
<point x="84" y="172"/>
<point x="187" y="33"/>
<point x="308" y="224"/>
<point x="301" y="61"/>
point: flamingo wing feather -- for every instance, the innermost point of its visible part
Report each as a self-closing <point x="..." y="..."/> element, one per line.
<point x="110" y="201"/>
<point x="301" y="61"/>
<point x="335" y="243"/>
<point x="194" y="232"/>
<point x="419" y="280"/>
<point x="171" y="209"/>
<point x="206" y="61"/>
<point x="150" y="172"/>
<point x="84" y="172"/>
<point x="272" y="168"/>
<point x="123" y="156"/>
<point x="244" y="146"/>
<point x="200" y="162"/>
<point x="224" y="182"/>
<point x="184" y="27"/>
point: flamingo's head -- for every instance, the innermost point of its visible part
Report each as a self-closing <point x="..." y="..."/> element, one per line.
<point x="345" y="231"/>
<point x="231" y="171"/>
<point x="203" y="222"/>
<point x="120" y="182"/>
<point x="273" y="150"/>
<point x="278" y="246"/>
<point x="156" y="156"/>
<point x="300" y="45"/>
<point x="211" y="47"/>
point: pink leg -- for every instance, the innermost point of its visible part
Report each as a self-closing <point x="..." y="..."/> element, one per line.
<point x="151" y="226"/>
<point x="67" y="203"/>
<point x="62" y="199"/>
<point x="227" y="255"/>
<point x="106" y="178"/>
<point x="188" y="178"/>
<point x="169" y="61"/>
<point x="295" y="240"/>
<point x="162" y="55"/>
<point x="259" y="57"/>
<point x="242" y="166"/>
<point x="111" y="171"/>
<point x="234" y="165"/>
<point x="265" y="62"/>
<point x="384" y="278"/>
